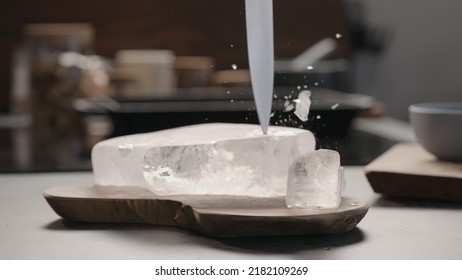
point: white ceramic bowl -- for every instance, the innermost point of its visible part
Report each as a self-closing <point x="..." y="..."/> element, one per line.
<point x="438" y="128"/>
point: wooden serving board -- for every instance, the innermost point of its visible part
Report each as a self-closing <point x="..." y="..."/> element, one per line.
<point x="407" y="170"/>
<point x="217" y="216"/>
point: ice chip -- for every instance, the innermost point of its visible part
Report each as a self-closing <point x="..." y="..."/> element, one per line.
<point x="214" y="158"/>
<point x="302" y="106"/>
<point x="289" y="108"/>
<point x="315" y="180"/>
<point x="335" y="106"/>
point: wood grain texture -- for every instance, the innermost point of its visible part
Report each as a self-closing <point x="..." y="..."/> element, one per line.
<point x="216" y="216"/>
<point x="407" y="170"/>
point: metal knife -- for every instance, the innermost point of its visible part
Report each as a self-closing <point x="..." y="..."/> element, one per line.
<point x="260" y="44"/>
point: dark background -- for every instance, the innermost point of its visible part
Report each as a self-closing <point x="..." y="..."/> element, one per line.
<point x="201" y="27"/>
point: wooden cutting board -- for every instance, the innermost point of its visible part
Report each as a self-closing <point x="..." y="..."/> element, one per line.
<point x="217" y="216"/>
<point x="407" y="170"/>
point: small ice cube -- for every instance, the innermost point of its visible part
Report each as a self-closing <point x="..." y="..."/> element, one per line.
<point x="315" y="180"/>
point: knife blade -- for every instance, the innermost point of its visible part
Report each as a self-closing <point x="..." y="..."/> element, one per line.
<point x="260" y="44"/>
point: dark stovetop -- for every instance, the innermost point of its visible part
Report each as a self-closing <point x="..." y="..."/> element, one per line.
<point x="24" y="151"/>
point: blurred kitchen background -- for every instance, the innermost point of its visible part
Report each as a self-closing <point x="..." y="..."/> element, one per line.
<point x="73" y="73"/>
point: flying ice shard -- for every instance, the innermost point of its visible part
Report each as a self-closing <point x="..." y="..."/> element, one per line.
<point x="227" y="159"/>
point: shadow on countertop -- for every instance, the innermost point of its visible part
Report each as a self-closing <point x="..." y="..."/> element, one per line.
<point x="155" y="235"/>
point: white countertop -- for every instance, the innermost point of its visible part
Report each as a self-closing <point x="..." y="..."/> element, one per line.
<point x="392" y="229"/>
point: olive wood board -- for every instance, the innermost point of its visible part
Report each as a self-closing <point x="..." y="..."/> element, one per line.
<point x="211" y="215"/>
<point x="407" y="170"/>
